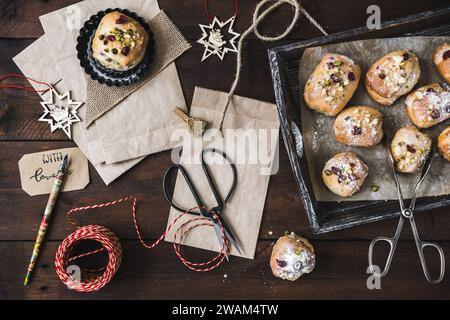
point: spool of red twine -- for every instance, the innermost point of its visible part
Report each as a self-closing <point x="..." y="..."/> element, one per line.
<point x="93" y="280"/>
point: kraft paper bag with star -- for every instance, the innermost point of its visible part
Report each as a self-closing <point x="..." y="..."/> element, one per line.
<point x="36" y="62"/>
<point x="139" y="124"/>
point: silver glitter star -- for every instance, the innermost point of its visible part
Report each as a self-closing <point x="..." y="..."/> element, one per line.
<point x="212" y="38"/>
<point x="62" y="113"/>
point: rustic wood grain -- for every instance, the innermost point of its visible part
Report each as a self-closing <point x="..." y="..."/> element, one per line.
<point x="20" y="123"/>
<point x="342" y="255"/>
<point x="158" y="274"/>
<point x="283" y="209"/>
<point x="18" y="18"/>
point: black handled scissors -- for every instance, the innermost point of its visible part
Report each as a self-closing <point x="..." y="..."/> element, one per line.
<point x="218" y="209"/>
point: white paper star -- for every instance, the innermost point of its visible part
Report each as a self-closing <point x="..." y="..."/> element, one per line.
<point x="60" y="114"/>
<point x="212" y="38"/>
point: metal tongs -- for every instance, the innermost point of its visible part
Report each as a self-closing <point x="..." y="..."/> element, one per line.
<point x="408" y="213"/>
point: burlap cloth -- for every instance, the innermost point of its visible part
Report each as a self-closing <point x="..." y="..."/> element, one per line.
<point x="169" y="45"/>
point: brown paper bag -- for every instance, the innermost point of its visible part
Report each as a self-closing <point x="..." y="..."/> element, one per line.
<point x="253" y="153"/>
<point x="129" y="130"/>
<point x="36" y="62"/>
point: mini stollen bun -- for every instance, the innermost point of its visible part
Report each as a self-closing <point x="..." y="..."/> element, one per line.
<point x="292" y="256"/>
<point x="120" y="42"/>
<point x="359" y="126"/>
<point x="410" y="149"/>
<point x="332" y="84"/>
<point x="444" y="143"/>
<point x="393" y="76"/>
<point x="428" y="105"/>
<point x="344" y="174"/>
<point x="441" y="59"/>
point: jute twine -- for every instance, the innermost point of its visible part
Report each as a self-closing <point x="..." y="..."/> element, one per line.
<point x="258" y="16"/>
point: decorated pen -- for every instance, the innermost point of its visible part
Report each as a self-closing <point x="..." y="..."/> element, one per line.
<point x="47" y="213"/>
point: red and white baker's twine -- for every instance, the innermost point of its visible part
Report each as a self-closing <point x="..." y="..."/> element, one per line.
<point x="95" y="280"/>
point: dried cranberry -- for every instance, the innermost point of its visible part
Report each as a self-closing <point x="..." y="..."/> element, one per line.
<point x="121" y="20"/>
<point x="335" y="170"/>
<point x="410" y="148"/>
<point x="281" y="263"/>
<point x="335" y="78"/>
<point x="351" y="76"/>
<point x="356" y="130"/>
<point x="330" y="65"/>
<point x="125" y="51"/>
<point x="446" y="55"/>
<point x="430" y="90"/>
<point x="341" y="177"/>
<point x="447" y="109"/>
<point x="111" y="37"/>
<point x="352" y="165"/>
<point x="382" y="76"/>
<point x="435" y="114"/>
<point x="406" y="56"/>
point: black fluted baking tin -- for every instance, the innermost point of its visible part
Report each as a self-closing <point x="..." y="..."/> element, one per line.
<point x="284" y="63"/>
<point x="98" y="72"/>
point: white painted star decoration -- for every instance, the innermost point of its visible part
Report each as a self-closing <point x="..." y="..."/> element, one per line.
<point x="61" y="112"/>
<point x="213" y="38"/>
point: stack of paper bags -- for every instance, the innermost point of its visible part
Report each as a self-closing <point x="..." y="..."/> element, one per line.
<point x="140" y="125"/>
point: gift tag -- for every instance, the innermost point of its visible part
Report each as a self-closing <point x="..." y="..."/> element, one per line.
<point x="38" y="170"/>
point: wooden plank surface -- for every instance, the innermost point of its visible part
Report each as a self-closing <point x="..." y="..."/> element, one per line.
<point x="342" y="255"/>
<point x="157" y="274"/>
<point x="19" y="17"/>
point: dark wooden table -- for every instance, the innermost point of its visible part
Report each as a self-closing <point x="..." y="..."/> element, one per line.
<point x="341" y="256"/>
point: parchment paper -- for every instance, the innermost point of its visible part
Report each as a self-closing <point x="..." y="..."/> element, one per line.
<point x="137" y="126"/>
<point x="317" y="130"/>
<point x="244" y="211"/>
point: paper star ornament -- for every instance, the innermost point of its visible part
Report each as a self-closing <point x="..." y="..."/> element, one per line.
<point x="60" y="112"/>
<point x="218" y="38"/>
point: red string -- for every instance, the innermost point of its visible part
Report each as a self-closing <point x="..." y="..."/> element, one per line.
<point x="97" y="279"/>
<point x="12" y="75"/>
<point x="211" y="18"/>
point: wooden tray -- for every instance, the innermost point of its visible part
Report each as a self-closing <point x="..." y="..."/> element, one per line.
<point x="284" y="63"/>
